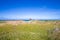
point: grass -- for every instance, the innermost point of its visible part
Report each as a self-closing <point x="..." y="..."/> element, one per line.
<point x="36" y="31"/>
<point x="2" y="21"/>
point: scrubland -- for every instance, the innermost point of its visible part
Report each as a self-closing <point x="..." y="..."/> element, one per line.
<point x="31" y="30"/>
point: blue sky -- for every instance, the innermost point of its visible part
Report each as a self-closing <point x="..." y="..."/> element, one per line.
<point x="25" y="9"/>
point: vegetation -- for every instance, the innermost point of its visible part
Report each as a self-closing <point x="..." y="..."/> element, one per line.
<point x="38" y="31"/>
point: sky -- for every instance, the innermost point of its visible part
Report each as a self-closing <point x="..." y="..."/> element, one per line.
<point x="25" y="9"/>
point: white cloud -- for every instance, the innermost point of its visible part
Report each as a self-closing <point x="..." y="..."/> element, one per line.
<point x="35" y="13"/>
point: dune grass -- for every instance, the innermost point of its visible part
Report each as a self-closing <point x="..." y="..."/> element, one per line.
<point x="36" y="31"/>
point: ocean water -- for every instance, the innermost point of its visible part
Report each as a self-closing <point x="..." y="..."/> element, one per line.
<point x="27" y="20"/>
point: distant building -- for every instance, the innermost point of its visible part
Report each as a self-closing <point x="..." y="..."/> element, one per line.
<point x="30" y="18"/>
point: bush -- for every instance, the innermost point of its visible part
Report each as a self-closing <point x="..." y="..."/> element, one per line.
<point x="54" y="34"/>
